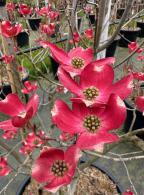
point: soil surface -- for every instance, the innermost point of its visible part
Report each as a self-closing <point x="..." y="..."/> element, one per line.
<point x="91" y="182"/>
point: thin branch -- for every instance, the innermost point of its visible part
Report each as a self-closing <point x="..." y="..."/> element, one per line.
<point x="133" y="121"/>
<point x="12" y="179"/>
<point x="128" y="175"/>
<point x="129" y="56"/>
<point x="13" y="153"/>
<point x="112" y="158"/>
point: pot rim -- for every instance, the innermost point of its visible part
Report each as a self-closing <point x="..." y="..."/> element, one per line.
<point x="120" y="189"/>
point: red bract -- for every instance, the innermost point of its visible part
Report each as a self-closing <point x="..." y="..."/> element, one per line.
<point x="7" y="59"/>
<point x="128" y="192"/>
<point x="96" y="83"/>
<point x="133" y="46"/>
<point x="29" y="87"/>
<point x="92" y="124"/>
<point x="89" y="33"/>
<point x="53" y="15"/>
<point x="74" y="61"/>
<point x="8" y="30"/>
<point x="44" y="11"/>
<point x="140" y="103"/>
<point x="48" y="29"/>
<point x="19" y="112"/>
<point x="9" y="130"/>
<point x="10" y="7"/>
<point x="55" y="168"/>
<point x="4" y="168"/>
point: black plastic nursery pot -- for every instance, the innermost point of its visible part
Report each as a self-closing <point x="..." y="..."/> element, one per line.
<point x="120" y="12"/>
<point x="92" y="18"/>
<point x="22" y="39"/>
<point x="139" y="122"/>
<point x="129" y="35"/>
<point x="140" y="24"/>
<point x="2" y="3"/>
<point x="23" y="185"/>
<point x="110" y="50"/>
<point x="79" y="20"/>
<point x="34" y="23"/>
<point x="27" y="180"/>
<point x="54" y="67"/>
<point x="6" y="89"/>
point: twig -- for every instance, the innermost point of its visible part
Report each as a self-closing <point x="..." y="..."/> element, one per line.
<point x="133" y="121"/>
<point x="128" y="175"/>
<point x="112" y="158"/>
<point x="129" y="56"/>
<point x="12" y="179"/>
<point x="14" y="153"/>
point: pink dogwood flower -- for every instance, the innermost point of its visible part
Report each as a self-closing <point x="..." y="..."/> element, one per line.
<point x="96" y="83"/>
<point x="9" y="135"/>
<point x="140" y="58"/>
<point x="138" y="75"/>
<point x="26" y="149"/>
<point x="133" y="46"/>
<point x="4" y="168"/>
<point x="8" y="30"/>
<point x="74" y="61"/>
<point x="7" y="59"/>
<point x="48" y="29"/>
<point x="128" y="192"/>
<point x="33" y="140"/>
<point x="92" y="124"/>
<point x="24" y="9"/>
<point x="53" y="15"/>
<point x="89" y="33"/>
<point x="44" y="11"/>
<point x="30" y="143"/>
<point x="55" y="168"/>
<point x="19" y="112"/>
<point x="9" y="130"/>
<point x="29" y="87"/>
<point x="76" y="37"/>
<point x="10" y="7"/>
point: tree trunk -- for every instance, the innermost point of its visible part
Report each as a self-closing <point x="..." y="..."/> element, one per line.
<point x="8" y="49"/>
<point x="105" y="28"/>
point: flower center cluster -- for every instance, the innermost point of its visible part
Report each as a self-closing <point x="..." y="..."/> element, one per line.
<point x="90" y="93"/>
<point x="77" y="63"/>
<point x="59" y="168"/>
<point x="91" y="123"/>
